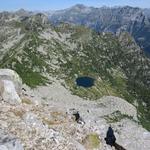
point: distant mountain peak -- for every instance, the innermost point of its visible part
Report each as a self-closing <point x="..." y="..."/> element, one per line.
<point x="21" y="10"/>
<point x="81" y="6"/>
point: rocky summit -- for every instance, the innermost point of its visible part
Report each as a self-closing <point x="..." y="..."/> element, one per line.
<point x="39" y="96"/>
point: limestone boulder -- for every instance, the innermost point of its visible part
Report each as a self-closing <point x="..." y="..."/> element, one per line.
<point x="8" y="74"/>
<point x="8" y="92"/>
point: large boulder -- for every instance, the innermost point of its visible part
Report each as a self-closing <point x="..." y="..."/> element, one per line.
<point x="8" y="92"/>
<point x="7" y="74"/>
<point x="10" y="86"/>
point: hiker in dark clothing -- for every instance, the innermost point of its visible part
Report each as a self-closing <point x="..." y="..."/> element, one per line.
<point x="77" y="116"/>
<point x="110" y="137"/>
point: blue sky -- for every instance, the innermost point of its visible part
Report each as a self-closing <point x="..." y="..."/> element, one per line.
<point x="61" y="4"/>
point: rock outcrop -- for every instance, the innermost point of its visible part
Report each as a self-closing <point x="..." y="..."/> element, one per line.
<point x="50" y="123"/>
<point x="115" y="104"/>
<point x="9" y="142"/>
<point x="53" y="120"/>
<point x="9" y="93"/>
<point x="8" y="74"/>
<point x="10" y="86"/>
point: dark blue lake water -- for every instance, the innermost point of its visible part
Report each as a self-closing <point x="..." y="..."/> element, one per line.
<point x="85" y="82"/>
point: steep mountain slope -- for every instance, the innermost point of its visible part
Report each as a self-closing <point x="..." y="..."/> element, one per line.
<point x="133" y="20"/>
<point x="38" y="51"/>
<point x="147" y="12"/>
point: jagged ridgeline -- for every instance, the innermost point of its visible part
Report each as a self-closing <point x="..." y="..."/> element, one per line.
<point x="134" y="20"/>
<point x="37" y="50"/>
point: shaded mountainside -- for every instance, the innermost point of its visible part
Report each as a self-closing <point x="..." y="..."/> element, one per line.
<point x="136" y="21"/>
<point x="147" y="12"/>
<point x="37" y="50"/>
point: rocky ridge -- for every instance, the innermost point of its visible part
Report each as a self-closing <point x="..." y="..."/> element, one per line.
<point x="43" y="120"/>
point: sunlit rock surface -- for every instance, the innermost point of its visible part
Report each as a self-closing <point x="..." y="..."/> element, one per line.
<point x="8" y="74"/>
<point x="9" y="142"/>
<point x="9" y="93"/>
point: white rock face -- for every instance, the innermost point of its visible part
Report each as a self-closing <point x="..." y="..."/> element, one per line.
<point x="8" y="92"/>
<point x="8" y="142"/>
<point x="7" y="74"/>
<point x="32" y="121"/>
<point x="139" y="137"/>
<point x="113" y="104"/>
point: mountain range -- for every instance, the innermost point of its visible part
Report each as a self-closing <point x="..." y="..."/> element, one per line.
<point x="136" y="21"/>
